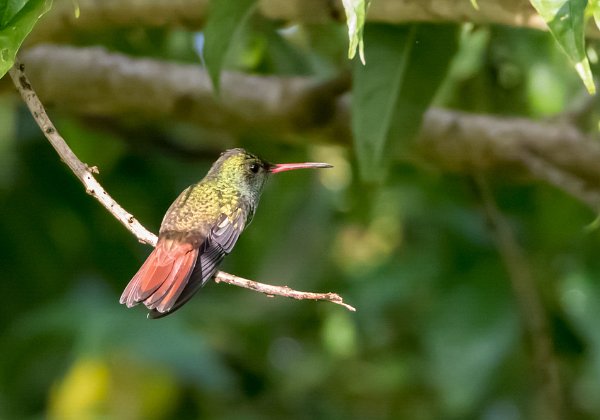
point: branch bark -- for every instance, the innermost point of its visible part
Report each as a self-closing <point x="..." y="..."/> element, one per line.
<point x="271" y="291"/>
<point x="80" y="169"/>
<point x="120" y="85"/>
<point x="297" y="108"/>
<point x="61" y="21"/>
<point x="504" y="12"/>
<point x="557" y="153"/>
<point x="93" y="187"/>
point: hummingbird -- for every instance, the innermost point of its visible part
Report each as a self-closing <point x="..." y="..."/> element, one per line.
<point x="200" y="228"/>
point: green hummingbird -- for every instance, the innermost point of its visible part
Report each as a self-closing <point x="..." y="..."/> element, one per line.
<point x="200" y="228"/>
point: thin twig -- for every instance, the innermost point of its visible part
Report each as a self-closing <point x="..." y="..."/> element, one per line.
<point x="80" y="169"/>
<point x="271" y="291"/>
<point x="93" y="187"/>
<point x="529" y="302"/>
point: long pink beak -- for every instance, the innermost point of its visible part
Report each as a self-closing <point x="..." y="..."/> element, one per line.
<point x="282" y="167"/>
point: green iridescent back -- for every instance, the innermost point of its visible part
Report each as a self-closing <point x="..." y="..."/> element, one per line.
<point x="233" y="184"/>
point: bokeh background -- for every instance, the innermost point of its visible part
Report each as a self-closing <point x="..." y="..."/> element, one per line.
<point x="446" y="266"/>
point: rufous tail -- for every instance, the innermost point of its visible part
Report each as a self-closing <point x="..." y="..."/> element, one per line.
<point x="163" y="276"/>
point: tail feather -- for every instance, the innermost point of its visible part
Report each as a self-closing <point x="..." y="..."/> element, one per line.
<point x="171" y="287"/>
<point x="157" y="268"/>
<point x="148" y="278"/>
<point x="163" y="276"/>
<point x="165" y="284"/>
<point x="172" y="296"/>
<point x="206" y="266"/>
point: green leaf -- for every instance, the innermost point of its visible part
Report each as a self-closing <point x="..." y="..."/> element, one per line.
<point x="475" y="4"/>
<point x="76" y="9"/>
<point x="17" y="18"/>
<point x="565" y="19"/>
<point x="390" y="95"/>
<point x="9" y="9"/>
<point x="224" y="20"/>
<point x="594" y="10"/>
<point x="356" y="12"/>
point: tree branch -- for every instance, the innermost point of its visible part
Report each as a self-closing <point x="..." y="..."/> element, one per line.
<point x="61" y="21"/>
<point x="93" y="187"/>
<point x="80" y="169"/>
<point x="299" y="108"/>
<point x="120" y="85"/>
<point x="504" y="12"/>
<point x="271" y="291"/>
<point x="557" y="153"/>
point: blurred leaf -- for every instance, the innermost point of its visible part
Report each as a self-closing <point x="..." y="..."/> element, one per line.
<point x="9" y="9"/>
<point x="280" y="56"/>
<point x="593" y="9"/>
<point x="17" y="19"/>
<point x="105" y="328"/>
<point x="472" y="329"/>
<point x="565" y="19"/>
<point x="8" y="140"/>
<point x="82" y="392"/>
<point x="339" y="334"/>
<point x="391" y="94"/>
<point x="546" y="91"/>
<point x="77" y="10"/>
<point x="580" y="299"/>
<point x="475" y="4"/>
<point x="95" y="387"/>
<point x="224" y="20"/>
<point x="356" y="12"/>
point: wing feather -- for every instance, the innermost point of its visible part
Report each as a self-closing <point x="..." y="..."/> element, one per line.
<point x="219" y="243"/>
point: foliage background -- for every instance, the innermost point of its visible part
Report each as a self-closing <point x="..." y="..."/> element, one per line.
<point x="439" y="332"/>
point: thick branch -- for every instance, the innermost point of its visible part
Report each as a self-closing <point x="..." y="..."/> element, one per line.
<point x="61" y="21"/>
<point x="93" y="187"/>
<point x="282" y="108"/>
<point x="505" y="12"/>
<point x="557" y="153"/>
<point x="119" y="85"/>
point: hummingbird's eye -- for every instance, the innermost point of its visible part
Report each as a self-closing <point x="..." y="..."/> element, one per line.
<point x="254" y="168"/>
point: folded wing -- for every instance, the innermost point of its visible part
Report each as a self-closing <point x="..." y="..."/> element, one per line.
<point x="210" y="253"/>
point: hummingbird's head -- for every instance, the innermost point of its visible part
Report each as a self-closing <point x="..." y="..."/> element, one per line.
<point x="249" y="172"/>
<point x="241" y="170"/>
